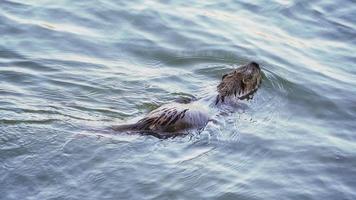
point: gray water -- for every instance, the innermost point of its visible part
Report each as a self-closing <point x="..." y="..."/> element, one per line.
<point x="70" y="69"/>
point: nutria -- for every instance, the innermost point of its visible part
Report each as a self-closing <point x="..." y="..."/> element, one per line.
<point x="174" y="118"/>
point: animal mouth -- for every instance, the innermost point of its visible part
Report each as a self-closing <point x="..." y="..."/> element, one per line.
<point x="249" y="95"/>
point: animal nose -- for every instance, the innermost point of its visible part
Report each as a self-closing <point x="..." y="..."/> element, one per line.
<point x="255" y="64"/>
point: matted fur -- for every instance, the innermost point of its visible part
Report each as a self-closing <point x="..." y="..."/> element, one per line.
<point x="172" y="118"/>
<point x="241" y="82"/>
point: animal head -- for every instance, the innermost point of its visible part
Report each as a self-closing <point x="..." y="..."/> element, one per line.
<point x="240" y="83"/>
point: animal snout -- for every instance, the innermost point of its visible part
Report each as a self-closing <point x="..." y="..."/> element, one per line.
<point x="254" y="64"/>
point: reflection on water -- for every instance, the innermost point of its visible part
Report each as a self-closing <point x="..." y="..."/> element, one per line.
<point x="70" y="69"/>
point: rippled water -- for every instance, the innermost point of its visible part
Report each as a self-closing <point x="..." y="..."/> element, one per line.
<point x="69" y="69"/>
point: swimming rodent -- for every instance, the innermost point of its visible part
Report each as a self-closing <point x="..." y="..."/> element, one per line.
<point x="174" y="118"/>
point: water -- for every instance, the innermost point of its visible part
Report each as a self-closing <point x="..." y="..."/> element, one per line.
<point x="69" y="69"/>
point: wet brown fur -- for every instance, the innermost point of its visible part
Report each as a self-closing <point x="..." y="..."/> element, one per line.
<point x="241" y="82"/>
<point x="161" y="120"/>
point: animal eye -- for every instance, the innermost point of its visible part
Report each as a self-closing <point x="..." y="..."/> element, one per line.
<point x="247" y="79"/>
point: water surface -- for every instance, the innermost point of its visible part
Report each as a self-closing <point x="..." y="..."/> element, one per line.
<point x="69" y="69"/>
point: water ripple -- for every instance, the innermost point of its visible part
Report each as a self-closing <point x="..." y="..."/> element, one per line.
<point x="70" y="69"/>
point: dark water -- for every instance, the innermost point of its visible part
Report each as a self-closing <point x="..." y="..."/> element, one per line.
<point x="69" y="69"/>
